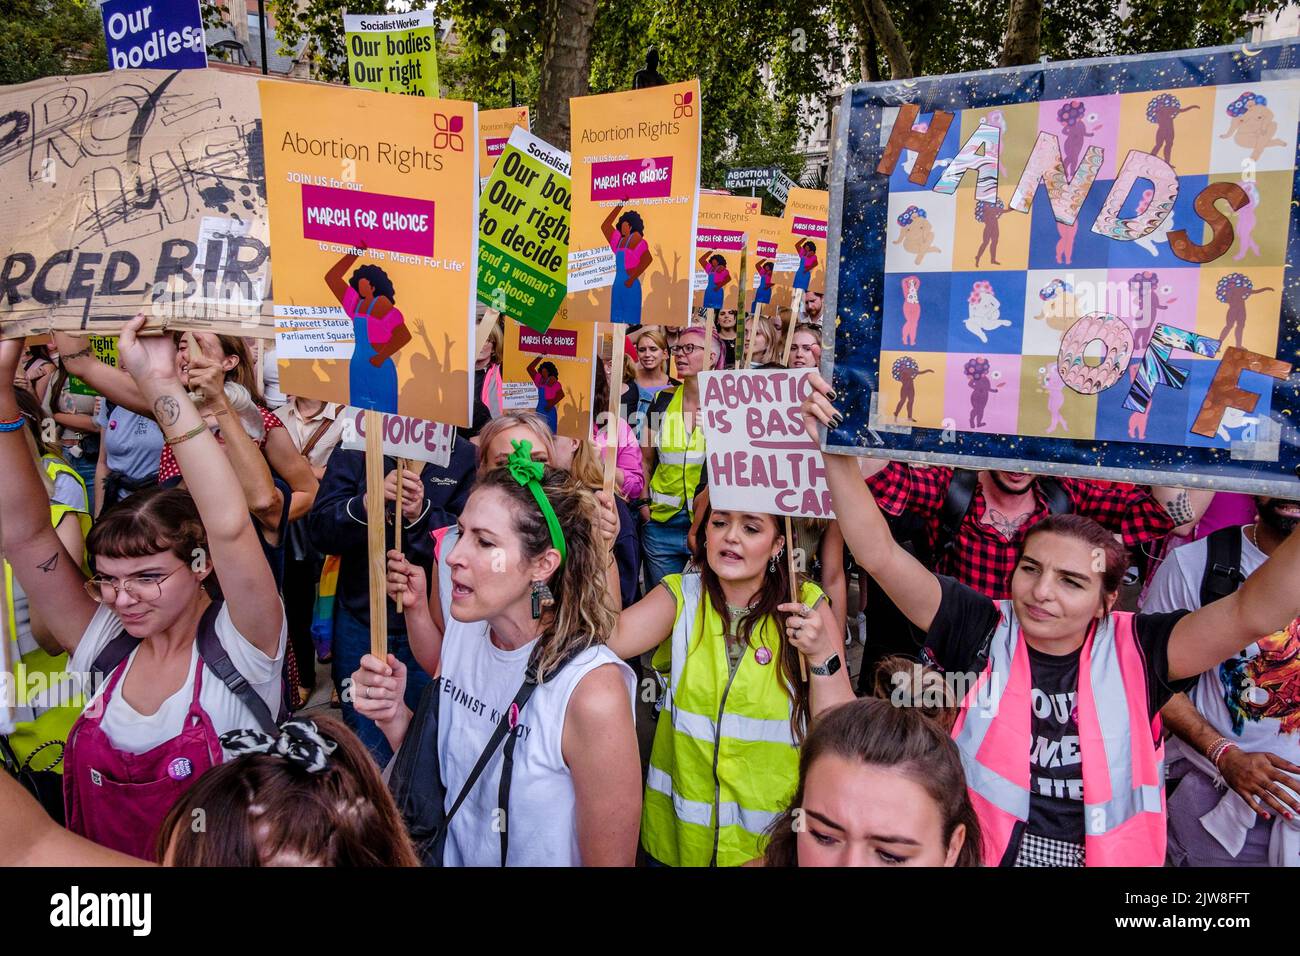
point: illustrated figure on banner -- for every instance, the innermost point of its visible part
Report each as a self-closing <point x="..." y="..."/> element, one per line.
<point x="1147" y="300"/>
<point x="715" y="268"/>
<point x="1246" y="222"/>
<point x="626" y="234"/>
<point x="908" y="159"/>
<point x="1137" y="421"/>
<point x="1072" y="118"/>
<point x="1050" y="382"/>
<point x="549" y="390"/>
<point x="1234" y="418"/>
<point x="916" y="234"/>
<point x="1065" y="242"/>
<point x="983" y="311"/>
<point x="379" y="329"/>
<point x="1233" y="290"/>
<point x="911" y="308"/>
<point x="989" y="214"/>
<point x="906" y="372"/>
<point x="763" y="294"/>
<point x="1161" y="232"/>
<point x="1252" y="126"/>
<point x="982" y="385"/>
<point x="998" y="120"/>
<point x="807" y="250"/>
<point x="1060" y="308"/>
<point x="1162" y="111"/>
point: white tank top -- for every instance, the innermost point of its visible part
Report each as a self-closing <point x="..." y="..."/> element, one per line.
<point x="479" y="682"/>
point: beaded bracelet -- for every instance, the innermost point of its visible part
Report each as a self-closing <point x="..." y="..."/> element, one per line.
<point x="12" y="426"/>
<point x="1221" y="747"/>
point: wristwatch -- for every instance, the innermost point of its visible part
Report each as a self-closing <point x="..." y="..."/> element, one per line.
<point x="831" y="666"/>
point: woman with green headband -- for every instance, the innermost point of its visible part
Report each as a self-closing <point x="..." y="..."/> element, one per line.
<point x="530" y="574"/>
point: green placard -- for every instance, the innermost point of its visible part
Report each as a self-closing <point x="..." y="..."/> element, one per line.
<point x="105" y="349"/>
<point x="524" y="232"/>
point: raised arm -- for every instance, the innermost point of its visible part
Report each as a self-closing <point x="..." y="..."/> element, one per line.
<point x="51" y="578"/>
<point x="644" y="626"/>
<point x="1267" y="601"/>
<point x="246" y="579"/>
<point x="336" y="278"/>
<point x="607" y="226"/>
<point x="1183" y="505"/>
<point x="113" y="383"/>
<point x="908" y="583"/>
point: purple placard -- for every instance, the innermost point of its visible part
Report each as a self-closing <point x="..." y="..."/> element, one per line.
<point x="632" y="179"/>
<point x="391" y="223"/>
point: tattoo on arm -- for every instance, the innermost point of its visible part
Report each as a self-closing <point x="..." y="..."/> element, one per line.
<point x="167" y="410"/>
<point x="1180" y="509"/>
<point x="80" y="353"/>
<point x="49" y="563"/>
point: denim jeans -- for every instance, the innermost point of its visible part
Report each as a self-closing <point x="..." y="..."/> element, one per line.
<point x="351" y="643"/>
<point x="664" y="543"/>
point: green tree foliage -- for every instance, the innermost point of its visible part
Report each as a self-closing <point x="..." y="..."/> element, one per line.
<point x="50" y="38"/>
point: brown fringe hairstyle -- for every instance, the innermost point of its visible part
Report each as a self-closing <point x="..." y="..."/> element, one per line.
<point x="259" y="806"/>
<point x="149" y="522"/>
<point x="582" y="616"/>
<point x="774" y="591"/>
<point x="902" y="739"/>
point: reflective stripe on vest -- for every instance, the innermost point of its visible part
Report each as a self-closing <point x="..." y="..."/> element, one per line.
<point x="1121" y="762"/>
<point x="681" y="461"/>
<point x="724" y="762"/>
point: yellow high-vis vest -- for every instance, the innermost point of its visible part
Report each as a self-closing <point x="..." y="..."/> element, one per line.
<point x="724" y="763"/>
<point x="44" y="673"/>
<point x="681" y="460"/>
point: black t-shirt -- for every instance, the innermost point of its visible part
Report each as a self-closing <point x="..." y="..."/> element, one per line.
<point x="956" y="638"/>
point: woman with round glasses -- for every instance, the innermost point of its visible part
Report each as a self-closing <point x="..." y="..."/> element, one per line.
<point x="152" y="727"/>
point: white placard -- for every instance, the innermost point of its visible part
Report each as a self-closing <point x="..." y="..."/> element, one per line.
<point x="404" y="437"/>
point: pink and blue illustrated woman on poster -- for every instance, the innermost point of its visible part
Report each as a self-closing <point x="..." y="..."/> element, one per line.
<point x="715" y="267"/>
<point x="626" y="234"/>
<point x="763" y="294"/>
<point x="379" y="329"/>
<point x="807" y="263"/>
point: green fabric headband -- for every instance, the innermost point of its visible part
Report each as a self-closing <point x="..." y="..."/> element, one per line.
<point x="529" y="474"/>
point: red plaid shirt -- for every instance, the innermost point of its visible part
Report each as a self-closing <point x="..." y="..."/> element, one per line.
<point x="980" y="556"/>
<point x="168" y="469"/>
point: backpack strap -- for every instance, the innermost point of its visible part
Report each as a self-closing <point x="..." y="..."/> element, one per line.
<point x="115" y="652"/>
<point x="961" y="492"/>
<point x="1222" y="573"/>
<point x="1058" y="502"/>
<point x="216" y="659"/>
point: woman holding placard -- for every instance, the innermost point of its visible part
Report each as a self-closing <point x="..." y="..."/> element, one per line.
<point x="1093" y="679"/>
<point x="725" y="760"/>
<point x="529" y="606"/>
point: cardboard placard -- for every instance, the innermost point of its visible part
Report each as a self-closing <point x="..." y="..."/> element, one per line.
<point x="723" y="225"/>
<point x="397" y="53"/>
<point x="494" y="129"/>
<point x="563" y="377"/>
<point x="801" y="255"/>
<point x="1096" y="282"/>
<point x="349" y="167"/>
<point x="136" y="190"/>
<point x="760" y="458"/>
<point x="404" y="437"/>
<point x="636" y="179"/>
<point x="524" y="232"/>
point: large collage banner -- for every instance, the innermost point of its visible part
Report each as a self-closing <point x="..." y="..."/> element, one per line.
<point x="374" y="212"/>
<point x="1079" y="269"/>
<point x="133" y="190"/>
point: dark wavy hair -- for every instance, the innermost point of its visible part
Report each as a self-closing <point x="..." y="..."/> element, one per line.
<point x="1090" y="533"/>
<point x="377" y="278"/>
<point x="634" y="220"/>
<point x="901" y="739"/>
<point x="774" y="591"/>
<point x="719" y="260"/>
<point x="551" y="365"/>
<point x="152" y="521"/>
<point x="258" y="806"/>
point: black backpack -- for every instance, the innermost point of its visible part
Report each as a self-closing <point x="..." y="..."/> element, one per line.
<point x="890" y="632"/>
<point x="1222" y="573"/>
<point x="416" y="777"/>
<point x="212" y="655"/>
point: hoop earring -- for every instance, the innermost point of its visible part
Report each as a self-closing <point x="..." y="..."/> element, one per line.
<point x="771" y="566"/>
<point x="542" y="598"/>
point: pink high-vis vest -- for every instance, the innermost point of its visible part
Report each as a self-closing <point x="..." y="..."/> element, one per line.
<point x="494" y="391"/>
<point x="1121" y="750"/>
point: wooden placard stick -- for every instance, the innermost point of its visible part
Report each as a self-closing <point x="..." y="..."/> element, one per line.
<point x="375" y="534"/>
<point x="484" y="328"/>
<point x="617" y="337"/>
<point x="796" y="316"/>
<point x="794" y="585"/>
<point x="397" y="514"/>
